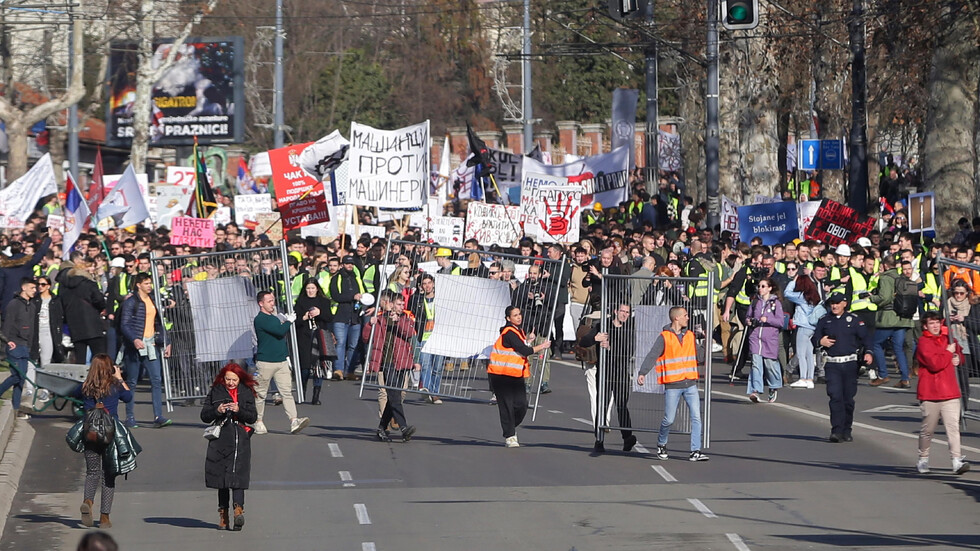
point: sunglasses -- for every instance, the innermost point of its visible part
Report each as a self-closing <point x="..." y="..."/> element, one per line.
<point x="42" y="284"/>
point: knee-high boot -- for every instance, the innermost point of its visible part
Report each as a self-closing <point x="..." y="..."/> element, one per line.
<point x="316" y="396"/>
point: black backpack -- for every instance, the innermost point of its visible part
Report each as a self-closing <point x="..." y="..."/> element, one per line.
<point x="585" y="354"/>
<point x="98" y="427"/>
<point x="906" y="301"/>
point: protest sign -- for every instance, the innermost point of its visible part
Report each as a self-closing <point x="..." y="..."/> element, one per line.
<point x="804" y="213"/>
<point x="222" y="215"/>
<point x="444" y="230"/>
<point x="247" y="206"/>
<point x="604" y="178"/>
<point x="492" y="224"/>
<point x="388" y="168"/>
<point x="529" y="198"/>
<point x="372" y="231"/>
<point x="18" y="199"/>
<point x="558" y="218"/>
<point x="181" y="176"/>
<point x="729" y="215"/>
<point x="172" y="201"/>
<point x="834" y="224"/>
<point x="269" y="223"/>
<point x="922" y="211"/>
<point x="56" y="222"/>
<point x="774" y="223"/>
<point x="300" y="197"/>
<point x="196" y="232"/>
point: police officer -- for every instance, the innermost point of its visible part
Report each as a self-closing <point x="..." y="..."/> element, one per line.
<point x="844" y="337"/>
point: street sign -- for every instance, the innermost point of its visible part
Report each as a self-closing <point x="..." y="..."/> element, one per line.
<point x="821" y="155"/>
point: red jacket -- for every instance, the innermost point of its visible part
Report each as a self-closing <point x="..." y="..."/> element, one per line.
<point x="402" y="348"/>
<point x="937" y="376"/>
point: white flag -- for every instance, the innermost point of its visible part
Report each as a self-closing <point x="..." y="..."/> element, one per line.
<point x="444" y="174"/>
<point x="17" y="200"/>
<point x="324" y="155"/>
<point x="125" y="203"/>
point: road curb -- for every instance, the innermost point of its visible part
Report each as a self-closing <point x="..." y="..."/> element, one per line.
<point x="15" y="439"/>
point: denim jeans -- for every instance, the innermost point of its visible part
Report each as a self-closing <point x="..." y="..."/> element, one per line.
<point x="347" y="336"/>
<point x="132" y="363"/>
<point x="672" y="398"/>
<point x="764" y="371"/>
<point x="897" y="336"/>
<point x="804" y="352"/>
<point x="18" y="359"/>
<point x="431" y="371"/>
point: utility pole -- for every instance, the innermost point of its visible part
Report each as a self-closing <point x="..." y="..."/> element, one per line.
<point x="711" y="143"/>
<point x="526" y="77"/>
<point x="653" y="107"/>
<point x="857" y="176"/>
<point x="279" y="118"/>
<point x="73" y="109"/>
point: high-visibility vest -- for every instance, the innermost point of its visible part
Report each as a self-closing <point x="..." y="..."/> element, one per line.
<point x="430" y="318"/>
<point x="370" y="273"/>
<point x="679" y="361"/>
<point x="742" y="297"/>
<point x="360" y="286"/>
<point x="701" y="287"/>
<point x="859" y="285"/>
<point x="506" y="361"/>
<point x="780" y="266"/>
<point x="835" y="275"/>
<point x="931" y="288"/>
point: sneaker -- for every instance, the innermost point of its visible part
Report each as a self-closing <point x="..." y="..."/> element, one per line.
<point x="696" y="455"/>
<point x="298" y="424"/>
<point x="131" y="423"/>
<point x="493" y="399"/>
<point x="772" y="395"/>
<point x="960" y="465"/>
<point x="662" y="452"/>
<point x="436" y="401"/>
<point x="259" y="427"/>
<point x="383" y="435"/>
<point x="161" y="422"/>
<point x="277" y="400"/>
<point x="628" y="443"/>
<point x="754" y="398"/>
<point x="835" y="438"/>
<point x="801" y="383"/>
<point x="545" y="389"/>
<point x="511" y="442"/>
<point x="716" y="348"/>
<point x="809" y="384"/>
<point x="407" y="433"/>
<point x="923" y="465"/>
<point x="23" y="416"/>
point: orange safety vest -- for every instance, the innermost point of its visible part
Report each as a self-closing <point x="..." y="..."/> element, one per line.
<point x="506" y="361"/>
<point x="679" y="361"/>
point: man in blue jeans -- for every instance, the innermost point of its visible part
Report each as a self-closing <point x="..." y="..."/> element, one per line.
<point x="888" y="324"/>
<point x="143" y="343"/>
<point x="19" y="327"/>
<point x="677" y="357"/>
<point x="345" y="290"/>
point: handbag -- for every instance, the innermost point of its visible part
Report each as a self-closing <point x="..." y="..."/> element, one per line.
<point x="326" y="348"/>
<point x="213" y="432"/>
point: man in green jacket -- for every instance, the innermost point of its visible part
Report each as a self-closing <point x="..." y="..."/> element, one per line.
<point x="888" y="324"/>
<point x="270" y="358"/>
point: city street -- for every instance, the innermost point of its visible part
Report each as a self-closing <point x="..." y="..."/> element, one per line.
<point x="773" y="482"/>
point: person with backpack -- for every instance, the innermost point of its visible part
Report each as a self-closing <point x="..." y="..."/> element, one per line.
<point x="897" y="299"/>
<point x="765" y="322"/>
<point x="103" y="389"/>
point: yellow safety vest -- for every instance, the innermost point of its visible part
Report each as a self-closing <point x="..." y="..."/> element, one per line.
<point x="859" y="285"/>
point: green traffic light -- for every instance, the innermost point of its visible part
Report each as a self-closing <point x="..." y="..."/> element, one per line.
<point x="738" y="13"/>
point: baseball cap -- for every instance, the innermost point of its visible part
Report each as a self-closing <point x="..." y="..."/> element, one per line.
<point x="835" y="298"/>
<point x="349" y="259"/>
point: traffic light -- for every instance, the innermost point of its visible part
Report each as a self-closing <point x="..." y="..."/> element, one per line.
<point x="740" y="15"/>
<point x="621" y="9"/>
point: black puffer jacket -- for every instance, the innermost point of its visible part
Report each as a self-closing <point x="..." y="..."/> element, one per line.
<point x="83" y="303"/>
<point x="229" y="459"/>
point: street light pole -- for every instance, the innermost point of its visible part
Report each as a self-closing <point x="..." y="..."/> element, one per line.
<point x="279" y="120"/>
<point x="857" y="180"/>
<point x="653" y="107"/>
<point x="72" y="122"/>
<point x="711" y="142"/>
<point x="526" y="88"/>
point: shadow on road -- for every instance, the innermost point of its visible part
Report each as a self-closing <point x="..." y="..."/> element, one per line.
<point x="181" y="522"/>
<point x="51" y="519"/>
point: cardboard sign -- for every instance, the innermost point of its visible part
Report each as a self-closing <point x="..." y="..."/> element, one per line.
<point x="834" y="224"/>
<point x="774" y="223"/>
<point x="729" y="215"/>
<point x="56" y="222"/>
<point x="172" y="201"/>
<point x="184" y="176"/>
<point x="922" y="212"/>
<point x="247" y="206"/>
<point x="492" y="224"/>
<point x="269" y="223"/>
<point x="529" y="198"/>
<point x="196" y="232"/>
<point x="444" y="230"/>
<point x="300" y="197"/>
<point x="804" y="213"/>
<point x="558" y="219"/>
<point x="388" y="168"/>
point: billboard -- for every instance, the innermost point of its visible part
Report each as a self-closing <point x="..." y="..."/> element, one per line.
<point x="202" y="94"/>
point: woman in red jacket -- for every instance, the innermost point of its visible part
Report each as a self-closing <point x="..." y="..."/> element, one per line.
<point x="939" y="391"/>
<point x="392" y="353"/>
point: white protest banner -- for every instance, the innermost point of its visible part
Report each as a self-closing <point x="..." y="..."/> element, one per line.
<point x="247" y="206"/>
<point x="18" y="199"/>
<point x="558" y="219"/>
<point x="445" y="230"/>
<point x="172" y="201"/>
<point x="805" y="212"/>
<point x="492" y="224"/>
<point x="604" y="178"/>
<point x="181" y="176"/>
<point x="388" y="168"/>
<point x="419" y="218"/>
<point x="529" y="198"/>
<point x="729" y="215"/>
<point x="196" y="232"/>
<point x="56" y="222"/>
<point x="372" y="231"/>
<point x="222" y="215"/>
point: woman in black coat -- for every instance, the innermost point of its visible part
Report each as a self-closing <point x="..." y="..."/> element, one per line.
<point x="313" y="311"/>
<point x="231" y="402"/>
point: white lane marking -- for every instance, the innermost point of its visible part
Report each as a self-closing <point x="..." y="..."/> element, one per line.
<point x="701" y="507"/>
<point x="335" y="450"/>
<point x="584" y="421"/>
<point x="639" y="447"/>
<point x="553" y="411"/>
<point x="862" y="425"/>
<point x="663" y="473"/>
<point x="737" y="542"/>
<point x="369" y="546"/>
<point x="362" y="515"/>
<point x="347" y="479"/>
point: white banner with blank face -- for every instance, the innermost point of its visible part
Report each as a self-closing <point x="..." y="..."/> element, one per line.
<point x="223" y="310"/>
<point x="462" y="331"/>
<point x="388" y="168"/>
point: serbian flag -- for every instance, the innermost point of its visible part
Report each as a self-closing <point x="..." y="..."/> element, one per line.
<point x="244" y="180"/>
<point x="76" y="215"/>
<point x="884" y="207"/>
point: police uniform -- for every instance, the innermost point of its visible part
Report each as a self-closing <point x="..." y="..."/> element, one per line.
<point x="851" y="342"/>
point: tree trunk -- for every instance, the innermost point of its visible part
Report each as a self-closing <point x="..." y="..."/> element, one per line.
<point x="831" y="79"/>
<point x="950" y="151"/>
<point x="59" y="139"/>
<point x="731" y="177"/>
<point x="758" y="119"/>
<point x="17" y="140"/>
<point x="691" y="111"/>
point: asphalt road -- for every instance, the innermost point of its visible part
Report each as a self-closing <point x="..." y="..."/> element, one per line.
<point x="773" y="481"/>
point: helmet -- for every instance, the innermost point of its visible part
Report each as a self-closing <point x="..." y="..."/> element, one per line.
<point x="843" y="250"/>
<point x="597" y="206"/>
<point x="442" y="251"/>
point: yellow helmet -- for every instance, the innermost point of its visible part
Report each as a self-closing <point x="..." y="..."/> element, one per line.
<point x="597" y="206"/>
<point x="442" y="251"/>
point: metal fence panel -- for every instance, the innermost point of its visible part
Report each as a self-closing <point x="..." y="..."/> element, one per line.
<point x="206" y="303"/>
<point x="634" y="311"/>
<point x="964" y="328"/>
<point x="466" y="302"/>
